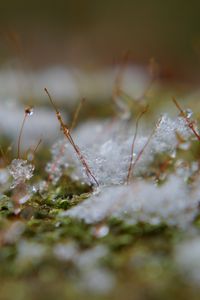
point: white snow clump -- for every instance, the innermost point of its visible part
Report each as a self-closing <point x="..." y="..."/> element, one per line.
<point x="107" y="149"/>
<point x="21" y="171"/>
<point x="172" y="203"/>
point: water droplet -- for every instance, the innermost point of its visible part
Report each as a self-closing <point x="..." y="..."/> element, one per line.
<point x="188" y="113"/>
<point x="100" y="231"/>
<point x="34" y="189"/>
<point x="29" y="111"/>
<point x="173" y="154"/>
<point x="24" y="198"/>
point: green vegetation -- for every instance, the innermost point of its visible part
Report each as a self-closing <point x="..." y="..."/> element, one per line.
<point x="139" y="257"/>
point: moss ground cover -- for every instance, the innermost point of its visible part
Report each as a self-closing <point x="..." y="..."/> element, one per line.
<point x="46" y="255"/>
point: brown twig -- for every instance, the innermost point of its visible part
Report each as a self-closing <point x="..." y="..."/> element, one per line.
<point x="66" y="132"/>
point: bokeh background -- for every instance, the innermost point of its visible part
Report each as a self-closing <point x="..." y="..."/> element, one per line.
<point x="76" y="49"/>
<point x="93" y="34"/>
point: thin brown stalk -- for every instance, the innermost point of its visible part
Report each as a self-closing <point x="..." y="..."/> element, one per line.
<point x="133" y="144"/>
<point x="145" y="145"/>
<point x="74" y="120"/>
<point x="188" y="121"/>
<point x="32" y="151"/>
<point x="37" y="146"/>
<point x="20" y="136"/>
<point x="66" y="132"/>
<point x="76" y="114"/>
<point x="27" y="112"/>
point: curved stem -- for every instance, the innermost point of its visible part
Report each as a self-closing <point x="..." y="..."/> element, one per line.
<point x="20" y="136"/>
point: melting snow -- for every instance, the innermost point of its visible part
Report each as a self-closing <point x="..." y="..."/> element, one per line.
<point x="173" y="203"/>
<point x="107" y="149"/>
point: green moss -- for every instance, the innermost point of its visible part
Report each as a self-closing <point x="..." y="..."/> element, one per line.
<point x="6" y="206"/>
<point x="139" y="256"/>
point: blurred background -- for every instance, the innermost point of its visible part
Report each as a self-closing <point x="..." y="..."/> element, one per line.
<point x="75" y="49"/>
<point x="93" y="34"/>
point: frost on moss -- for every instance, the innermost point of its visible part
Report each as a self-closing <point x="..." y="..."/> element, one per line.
<point x="172" y="203"/>
<point x="21" y="171"/>
<point x="107" y="148"/>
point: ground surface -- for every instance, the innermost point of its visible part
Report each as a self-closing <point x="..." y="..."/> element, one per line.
<point x="46" y="256"/>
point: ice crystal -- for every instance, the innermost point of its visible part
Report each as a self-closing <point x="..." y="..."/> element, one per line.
<point x="58" y="164"/>
<point x="166" y="135"/>
<point x="21" y="171"/>
<point x="172" y="203"/>
<point x="107" y="149"/>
